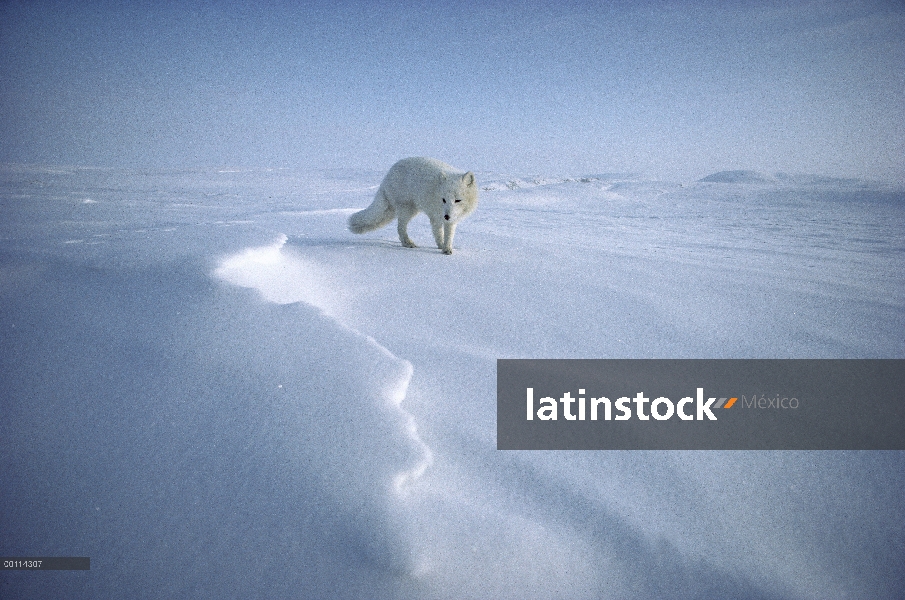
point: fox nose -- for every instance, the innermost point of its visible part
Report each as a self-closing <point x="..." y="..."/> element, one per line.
<point x="446" y="217"/>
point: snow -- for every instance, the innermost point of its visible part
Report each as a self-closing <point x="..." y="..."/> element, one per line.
<point x="212" y="388"/>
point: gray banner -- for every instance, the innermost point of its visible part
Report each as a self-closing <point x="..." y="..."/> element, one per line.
<point x="700" y="404"/>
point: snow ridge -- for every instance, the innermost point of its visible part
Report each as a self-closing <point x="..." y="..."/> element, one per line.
<point x="283" y="277"/>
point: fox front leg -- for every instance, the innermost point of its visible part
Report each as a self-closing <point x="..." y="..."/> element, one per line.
<point x="437" y="228"/>
<point x="449" y="229"/>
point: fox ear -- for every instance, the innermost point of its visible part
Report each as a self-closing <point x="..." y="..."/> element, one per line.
<point x="468" y="179"/>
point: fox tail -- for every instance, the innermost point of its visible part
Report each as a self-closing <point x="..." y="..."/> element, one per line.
<point x="373" y="217"/>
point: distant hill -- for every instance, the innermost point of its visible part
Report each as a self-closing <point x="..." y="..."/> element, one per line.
<point x="739" y="177"/>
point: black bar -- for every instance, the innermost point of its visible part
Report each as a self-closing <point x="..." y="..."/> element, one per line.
<point x="45" y="563"/>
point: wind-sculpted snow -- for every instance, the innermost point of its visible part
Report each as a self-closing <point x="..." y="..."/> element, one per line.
<point x="211" y="388"/>
<point x="285" y="278"/>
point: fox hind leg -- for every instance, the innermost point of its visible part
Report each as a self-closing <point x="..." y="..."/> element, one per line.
<point x="405" y="214"/>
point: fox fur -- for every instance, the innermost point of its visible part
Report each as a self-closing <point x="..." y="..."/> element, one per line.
<point x="445" y="194"/>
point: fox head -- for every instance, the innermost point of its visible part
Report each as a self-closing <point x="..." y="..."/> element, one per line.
<point x="458" y="195"/>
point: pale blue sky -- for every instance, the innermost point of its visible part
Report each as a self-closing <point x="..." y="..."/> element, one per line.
<point x="667" y="89"/>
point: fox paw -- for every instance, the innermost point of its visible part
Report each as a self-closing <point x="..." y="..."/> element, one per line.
<point x="409" y="244"/>
<point x="447" y="250"/>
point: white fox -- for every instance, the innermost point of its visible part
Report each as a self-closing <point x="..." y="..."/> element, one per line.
<point x="445" y="194"/>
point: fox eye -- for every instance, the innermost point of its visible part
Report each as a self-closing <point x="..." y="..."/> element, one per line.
<point x="444" y="200"/>
<point x="457" y="200"/>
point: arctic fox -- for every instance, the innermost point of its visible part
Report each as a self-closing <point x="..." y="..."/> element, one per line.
<point x="445" y="194"/>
